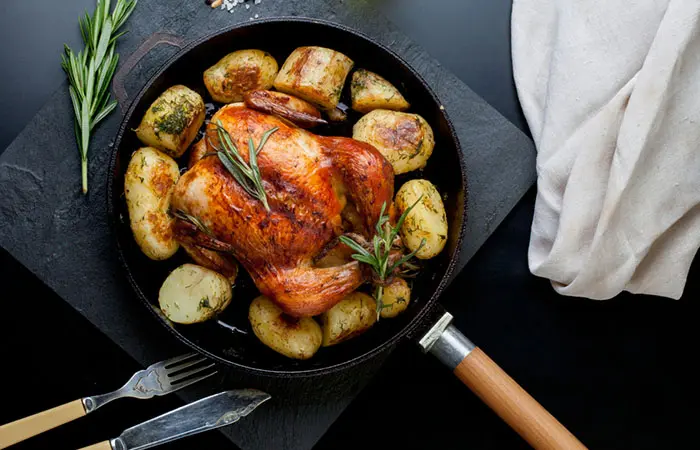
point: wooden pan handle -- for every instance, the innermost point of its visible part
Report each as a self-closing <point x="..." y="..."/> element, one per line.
<point x="104" y="445"/>
<point x="22" y="429"/>
<point x="515" y="406"/>
<point x="499" y="391"/>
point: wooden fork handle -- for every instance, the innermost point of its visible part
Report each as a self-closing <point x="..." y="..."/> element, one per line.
<point x="498" y="390"/>
<point x="104" y="445"/>
<point x="22" y="429"/>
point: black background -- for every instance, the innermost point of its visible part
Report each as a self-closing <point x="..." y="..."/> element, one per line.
<point x="617" y="373"/>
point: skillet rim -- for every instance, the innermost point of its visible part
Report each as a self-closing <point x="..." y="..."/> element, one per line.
<point x="425" y="309"/>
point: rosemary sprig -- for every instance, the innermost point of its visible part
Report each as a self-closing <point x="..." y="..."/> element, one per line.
<point x="378" y="258"/>
<point x="90" y="71"/>
<point x="182" y="215"/>
<point x="247" y="174"/>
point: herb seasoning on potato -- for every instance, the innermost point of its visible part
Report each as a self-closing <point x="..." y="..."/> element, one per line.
<point x="369" y="91"/>
<point x="148" y="184"/>
<point x="172" y="121"/>
<point x="426" y="222"/>
<point x="238" y="73"/>
<point x="315" y="74"/>
<point x="396" y="297"/>
<point x="352" y="316"/>
<point x="405" y="140"/>
<point x="297" y="338"/>
<point x="193" y="294"/>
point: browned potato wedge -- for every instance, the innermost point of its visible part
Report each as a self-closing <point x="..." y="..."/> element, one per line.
<point x="315" y="74"/>
<point x="296" y="110"/>
<point x="193" y="294"/>
<point x="351" y="317"/>
<point x="297" y="338"/>
<point x="239" y="72"/>
<point x="427" y="220"/>
<point x="172" y="121"/>
<point x="148" y="184"/>
<point x="405" y="140"/>
<point x="395" y="299"/>
<point x="369" y="91"/>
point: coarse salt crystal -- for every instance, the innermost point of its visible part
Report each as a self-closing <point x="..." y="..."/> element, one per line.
<point x="257" y="2"/>
<point x="247" y="6"/>
<point x="256" y="16"/>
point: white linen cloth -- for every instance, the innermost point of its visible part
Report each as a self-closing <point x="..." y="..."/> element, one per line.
<point x="611" y="92"/>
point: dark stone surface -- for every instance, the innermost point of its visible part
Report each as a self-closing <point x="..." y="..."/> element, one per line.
<point x="63" y="238"/>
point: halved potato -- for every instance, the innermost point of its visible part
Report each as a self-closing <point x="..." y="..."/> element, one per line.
<point x="315" y="74"/>
<point x="396" y="298"/>
<point x="350" y="317"/>
<point x="239" y="72"/>
<point x="405" y="140"/>
<point x="148" y="184"/>
<point x="193" y="294"/>
<point x="171" y="122"/>
<point x="297" y="338"/>
<point x="369" y="91"/>
<point x="427" y="220"/>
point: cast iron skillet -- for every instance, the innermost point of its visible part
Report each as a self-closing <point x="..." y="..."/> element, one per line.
<point x="230" y="340"/>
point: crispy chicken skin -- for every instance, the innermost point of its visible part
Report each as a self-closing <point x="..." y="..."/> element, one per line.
<point x="308" y="180"/>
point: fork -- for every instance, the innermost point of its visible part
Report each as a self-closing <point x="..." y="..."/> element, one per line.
<point x="158" y="379"/>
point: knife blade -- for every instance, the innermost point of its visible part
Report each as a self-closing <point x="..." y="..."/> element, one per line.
<point x="206" y="414"/>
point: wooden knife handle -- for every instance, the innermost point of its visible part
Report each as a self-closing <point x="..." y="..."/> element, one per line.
<point x="22" y="429"/>
<point x="104" y="445"/>
<point x="515" y="406"/>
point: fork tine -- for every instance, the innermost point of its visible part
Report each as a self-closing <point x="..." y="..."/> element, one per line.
<point x="169" y="362"/>
<point x="194" y="380"/>
<point x="181" y="376"/>
<point x="185" y="365"/>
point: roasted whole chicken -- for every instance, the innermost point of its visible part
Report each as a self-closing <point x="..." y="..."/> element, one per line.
<point x="308" y="180"/>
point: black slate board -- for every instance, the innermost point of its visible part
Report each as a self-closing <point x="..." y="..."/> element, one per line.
<point x="63" y="237"/>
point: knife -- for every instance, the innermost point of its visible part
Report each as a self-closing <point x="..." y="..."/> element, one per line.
<point x="206" y="414"/>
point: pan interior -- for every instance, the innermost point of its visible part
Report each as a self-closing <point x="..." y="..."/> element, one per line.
<point x="231" y="340"/>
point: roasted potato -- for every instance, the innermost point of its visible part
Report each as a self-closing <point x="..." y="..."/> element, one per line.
<point x="427" y="220"/>
<point x="405" y="140"/>
<point x="171" y="122"/>
<point x="351" y="317"/>
<point x="193" y="294"/>
<point x="369" y="91"/>
<point x="297" y="338"/>
<point x="239" y="72"/>
<point x="396" y="297"/>
<point x="148" y="184"/>
<point x="315" y="74"/>
<point x="296" y="110"/>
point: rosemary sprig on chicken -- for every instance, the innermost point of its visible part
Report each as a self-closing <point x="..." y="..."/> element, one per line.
<point x="247" y="174"/>
<point x="381" y="254"/>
